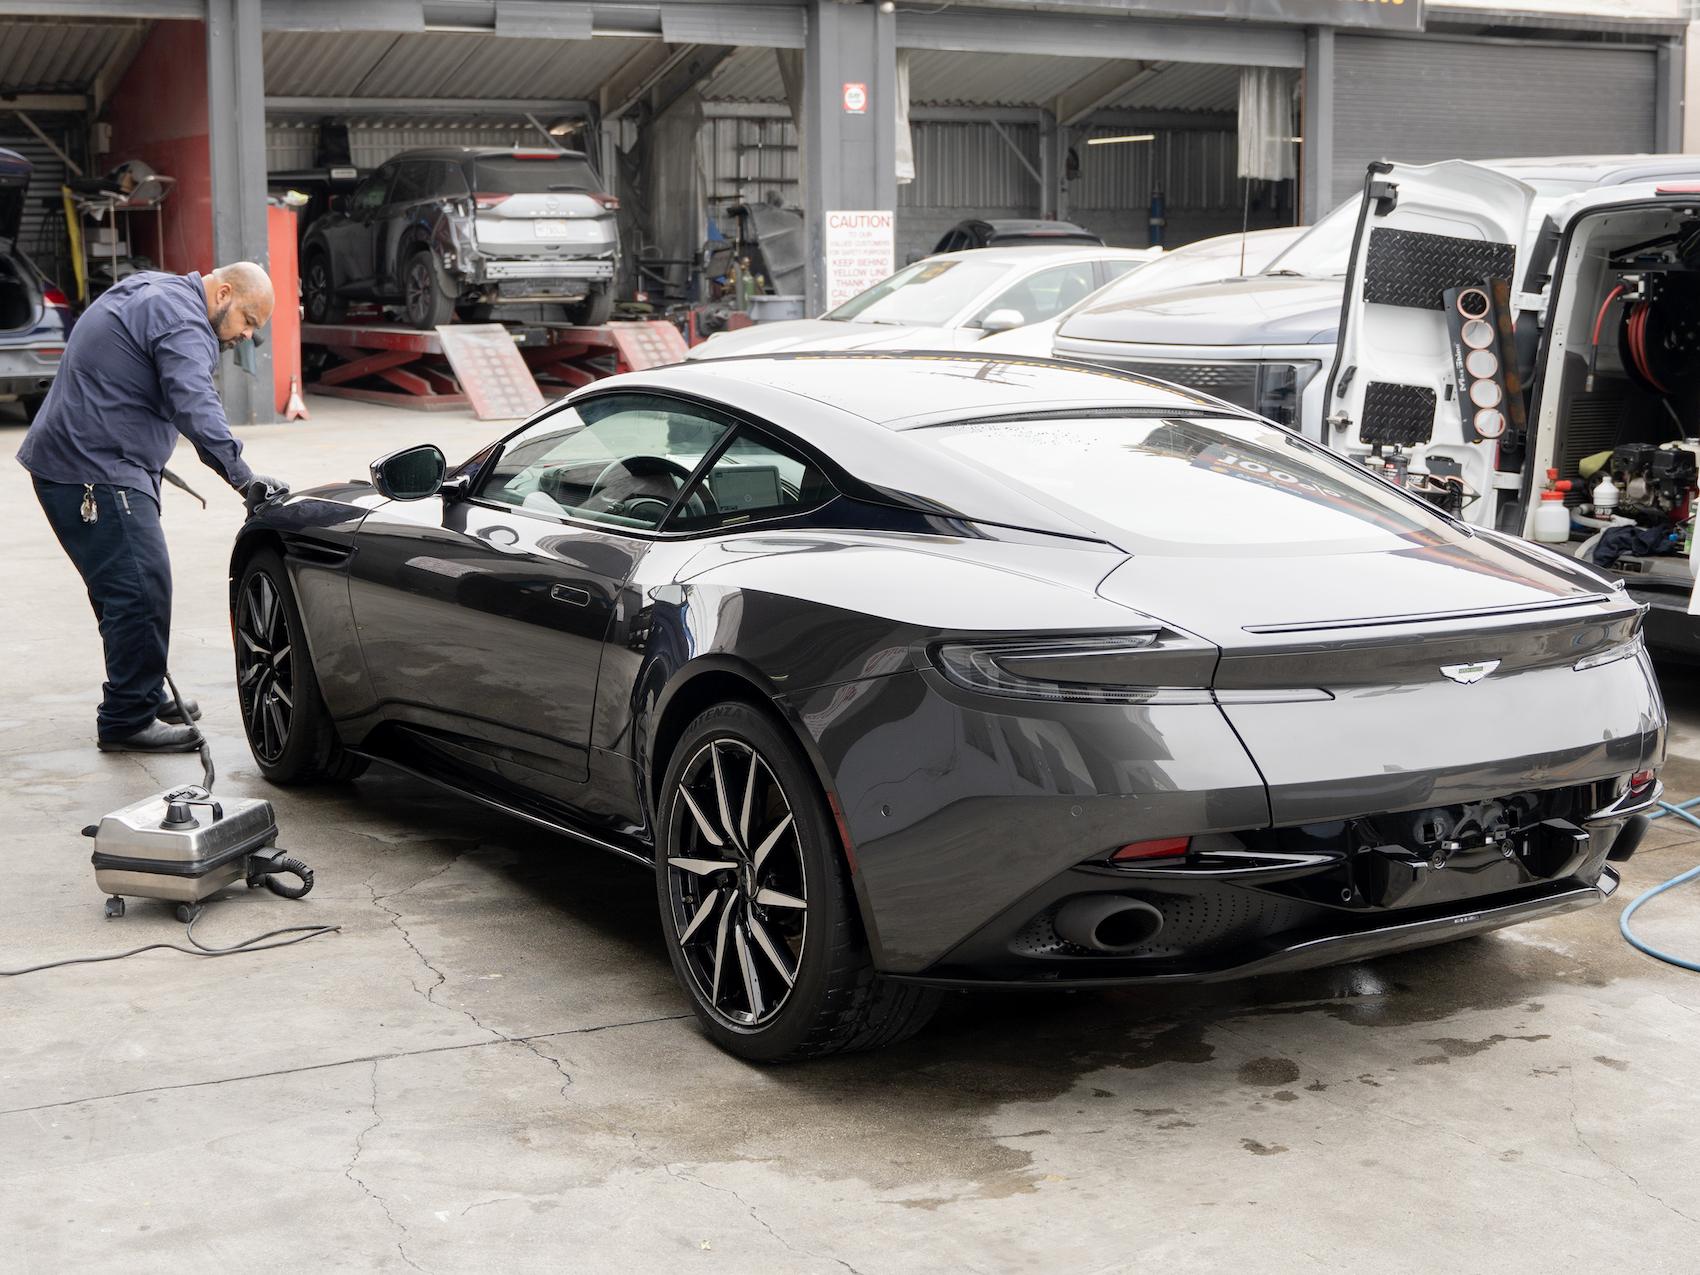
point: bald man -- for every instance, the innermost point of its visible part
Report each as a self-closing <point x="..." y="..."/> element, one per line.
<point x="138" y="371"/>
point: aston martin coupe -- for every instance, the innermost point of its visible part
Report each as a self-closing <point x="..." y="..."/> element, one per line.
<point x="903" y="672"/>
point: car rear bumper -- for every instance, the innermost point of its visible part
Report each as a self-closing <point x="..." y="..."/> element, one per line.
<point x="26" y="371"/>
<point x="1282" y="954"/>
<point x="591" y="271"/>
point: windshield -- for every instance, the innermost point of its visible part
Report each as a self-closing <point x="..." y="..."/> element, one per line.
<point x="925" y="294"/>
<point x="541" y="176"/>
<point x="1194" y="486"/>
<point x="1325" y="250"/>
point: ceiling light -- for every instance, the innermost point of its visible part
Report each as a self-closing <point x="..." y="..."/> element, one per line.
<point x="1126" y="137"/>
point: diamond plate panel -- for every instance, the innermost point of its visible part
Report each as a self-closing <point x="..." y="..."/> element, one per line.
<point x="1397" y="415"/>
<point x="1412" y="267"/>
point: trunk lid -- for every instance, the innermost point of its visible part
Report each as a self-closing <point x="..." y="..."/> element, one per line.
<point x="540" y="204"/>
<point x="1364" y="683"/>
<point x="15" y="173"/>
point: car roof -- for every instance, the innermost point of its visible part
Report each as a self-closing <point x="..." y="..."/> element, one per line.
<point x="1021" y="225"/>
<point x="1027" y="253"/>
<point x="903" y="389"/>
<point x="476" y="152"/>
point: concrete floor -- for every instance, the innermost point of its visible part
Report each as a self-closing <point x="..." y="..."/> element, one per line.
<point x="490" y="1068"/>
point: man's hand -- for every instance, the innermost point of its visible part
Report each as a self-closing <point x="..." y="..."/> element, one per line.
<point x="261" y="489"/>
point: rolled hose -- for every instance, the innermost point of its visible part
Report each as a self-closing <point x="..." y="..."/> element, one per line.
<point x="1633" y="939"/>
<point x="294" y="868"/>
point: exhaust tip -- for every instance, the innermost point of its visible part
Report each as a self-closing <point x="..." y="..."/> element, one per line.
<point x="1108" y="922"/>
<point x="1628" y="839"/>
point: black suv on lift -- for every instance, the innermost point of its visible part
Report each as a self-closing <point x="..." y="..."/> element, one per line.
<point x="467" y="228"/>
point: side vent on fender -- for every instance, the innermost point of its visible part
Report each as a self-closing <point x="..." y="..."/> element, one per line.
<point x="323" y="553"/>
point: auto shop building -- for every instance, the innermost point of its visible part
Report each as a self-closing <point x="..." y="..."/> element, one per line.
<point x="1088" y="110"/>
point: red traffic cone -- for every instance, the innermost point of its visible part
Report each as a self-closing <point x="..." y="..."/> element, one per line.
<point x="295" y="409"/>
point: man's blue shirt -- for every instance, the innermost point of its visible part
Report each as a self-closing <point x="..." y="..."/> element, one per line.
<point x="137" y="372"/>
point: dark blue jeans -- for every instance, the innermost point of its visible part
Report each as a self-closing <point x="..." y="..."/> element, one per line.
<point x="122" y="559"/>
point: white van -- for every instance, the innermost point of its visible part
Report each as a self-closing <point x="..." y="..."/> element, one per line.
<point x="1494" y="372"/>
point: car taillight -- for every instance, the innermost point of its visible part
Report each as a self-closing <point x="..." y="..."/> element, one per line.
<point x="490" y="201"/>
<point x="49" y="353"/>
<point x="610" y="202"/>
<point x="1158" y="666"/>
<point x="536" y="154"/>
<point x="1641" y="782"/>
<point x="1161" y="848"/>
<point x="52" y="296"/>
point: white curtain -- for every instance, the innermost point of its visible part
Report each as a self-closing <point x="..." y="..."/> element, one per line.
<point x="905" y="144"/>
<point x="1267" y="149"/>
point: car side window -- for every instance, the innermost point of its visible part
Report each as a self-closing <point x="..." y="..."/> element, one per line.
<point x="412" y="182"/>
<point x="755" y="478"/>
<point x="621" y="460"/>
<point x="448" y="182"/>
<point x="1113" y="270"/>
<point x="1047" y="293"/>
<point x="369" y="194"/>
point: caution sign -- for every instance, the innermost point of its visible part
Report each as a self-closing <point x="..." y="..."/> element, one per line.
<point x="860" y="248"/>
<point x="855" y="98"/>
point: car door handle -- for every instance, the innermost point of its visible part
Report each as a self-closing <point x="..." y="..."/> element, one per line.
<point x="566" y="593"/>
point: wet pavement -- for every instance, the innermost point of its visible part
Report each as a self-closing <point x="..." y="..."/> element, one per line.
<point x="490" y="1067"/>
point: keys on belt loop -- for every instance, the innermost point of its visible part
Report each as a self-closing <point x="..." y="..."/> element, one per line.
<point x="91" y="511"/>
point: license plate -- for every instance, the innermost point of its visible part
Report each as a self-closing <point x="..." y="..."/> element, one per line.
<point x="551" y="229"/>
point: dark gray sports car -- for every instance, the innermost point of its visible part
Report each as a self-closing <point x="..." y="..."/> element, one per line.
<point x="909" y="671"/>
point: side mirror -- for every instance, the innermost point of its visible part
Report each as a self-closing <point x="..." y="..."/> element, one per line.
<point x="410" y="474"/>
<point x="1003" y="320"/>
<point x="337" y="203"/>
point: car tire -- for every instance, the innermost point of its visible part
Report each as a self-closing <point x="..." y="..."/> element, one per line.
<point x="595" y="309"/>
<point x="427" y="300"/>
<point x="289" y="729"/>
<point x="319" y="300"/>
<point x="770" y="949"/>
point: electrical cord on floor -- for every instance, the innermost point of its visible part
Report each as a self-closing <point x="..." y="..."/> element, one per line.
<point x="255" y="944"/>
<point x="1641" y="945"/>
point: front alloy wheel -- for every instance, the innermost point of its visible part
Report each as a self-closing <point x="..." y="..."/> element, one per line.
<point x="265" y="676"/>
<point x="737" y="883"/>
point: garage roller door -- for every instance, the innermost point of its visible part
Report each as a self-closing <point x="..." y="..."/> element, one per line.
<point x="1422" y="100"/>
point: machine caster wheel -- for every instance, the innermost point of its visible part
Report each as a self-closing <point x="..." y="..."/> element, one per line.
<point x="114" y="907"/>
<point x="187" y="912"/>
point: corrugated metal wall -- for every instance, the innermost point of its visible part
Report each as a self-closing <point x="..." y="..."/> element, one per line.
<point x="965" y="168"/>
<point x="289" y="143"/>
<point x="42" y="235"/>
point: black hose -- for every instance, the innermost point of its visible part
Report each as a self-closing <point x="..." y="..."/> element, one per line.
<point x="295" y="868"/>
<point x="201" y="746"/>
<point x="255" y="944"/>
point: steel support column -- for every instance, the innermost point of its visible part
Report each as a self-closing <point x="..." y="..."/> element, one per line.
<point x="1316" y="151"/>
<point x="236" y="124"/>
<point x="1669" y="87"/>
<point x="849" y="158"/>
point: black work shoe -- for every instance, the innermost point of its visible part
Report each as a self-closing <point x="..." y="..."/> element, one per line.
<point x="155" y="737"/>
<point x="171" y="717"/>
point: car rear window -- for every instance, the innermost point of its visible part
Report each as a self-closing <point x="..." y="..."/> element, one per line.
<point x="1192" y="485"/>
<point x="504" y="175"/>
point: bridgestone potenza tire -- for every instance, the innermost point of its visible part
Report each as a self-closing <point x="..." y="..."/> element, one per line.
<point x="310" y="750"/>
<point x="319" y="298"/>
<point x="834" y="1002"/>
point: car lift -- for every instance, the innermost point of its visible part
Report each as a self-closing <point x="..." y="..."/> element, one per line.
<point x="409" y="368"/>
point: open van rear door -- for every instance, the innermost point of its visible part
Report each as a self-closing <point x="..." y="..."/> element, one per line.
<point x="1434" y="241"/>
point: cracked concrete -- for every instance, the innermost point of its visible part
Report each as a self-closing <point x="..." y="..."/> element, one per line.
<point x="490" y="1066"/>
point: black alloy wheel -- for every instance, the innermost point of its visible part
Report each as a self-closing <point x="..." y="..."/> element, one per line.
<point x="265" y="670"/>
<point x="755" y="899"/>
<point x="320" y="299"/>
<point x="737" y="883"/>
<point x="425" y="303"/>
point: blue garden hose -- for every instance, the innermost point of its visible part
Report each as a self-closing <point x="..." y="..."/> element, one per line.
<point x="1681" y="812"/>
